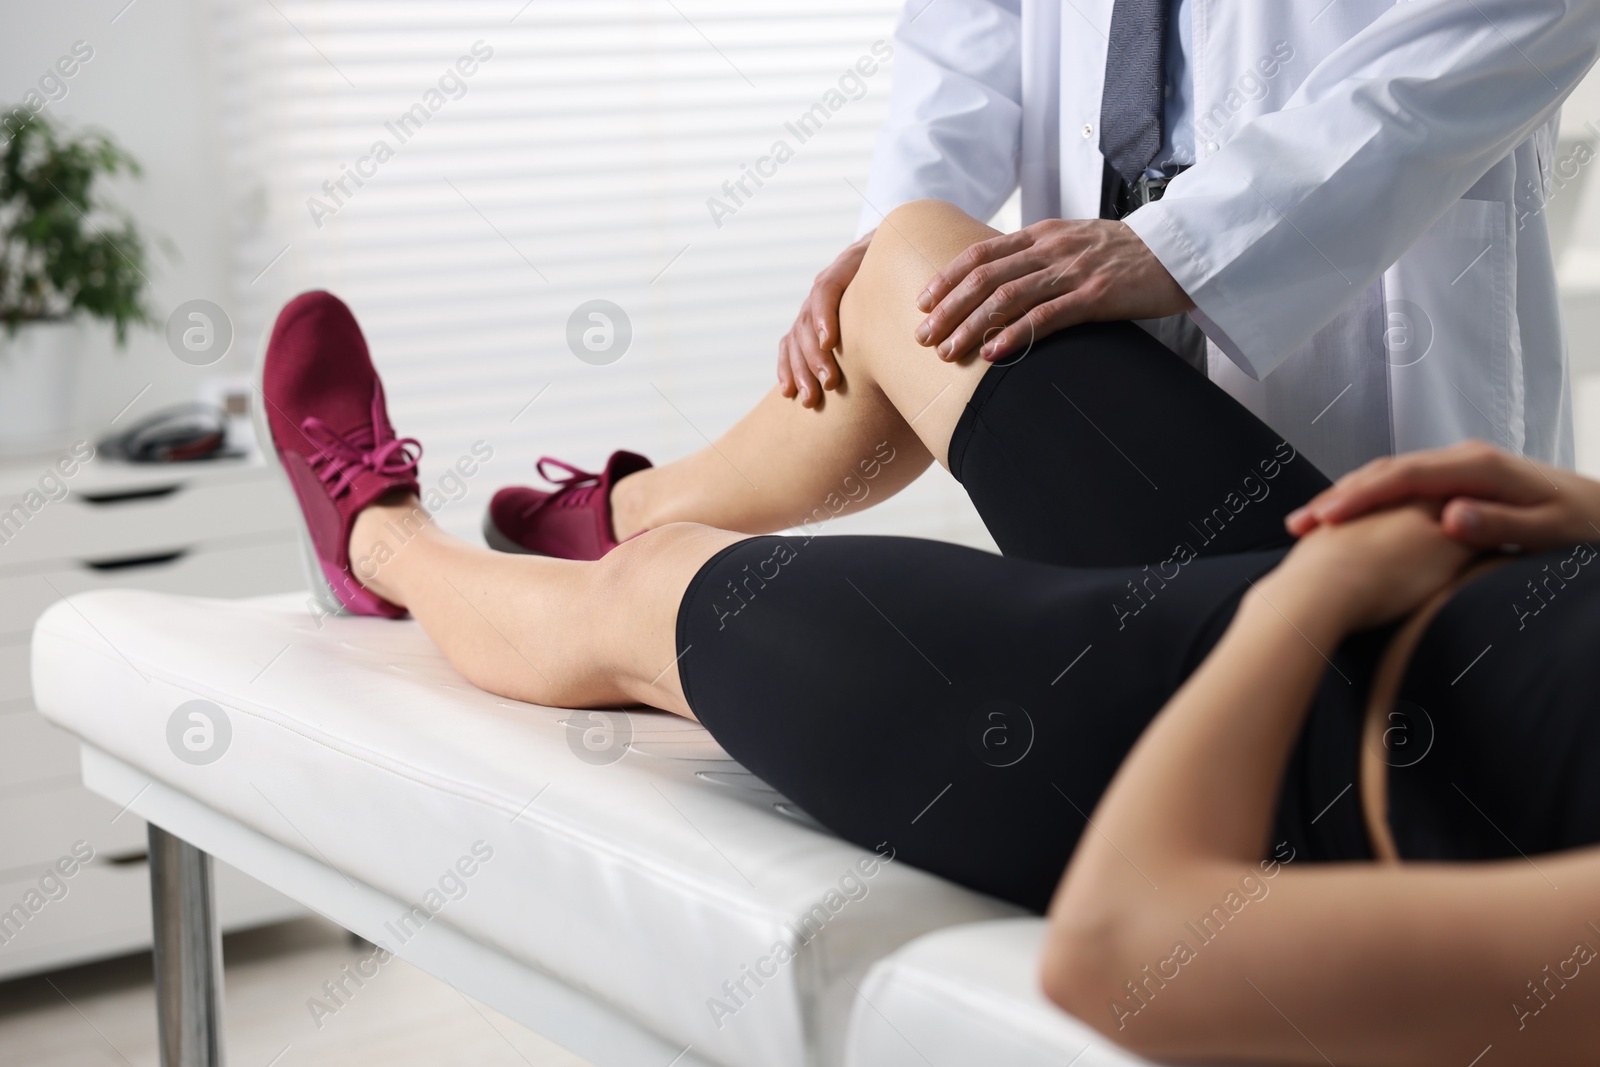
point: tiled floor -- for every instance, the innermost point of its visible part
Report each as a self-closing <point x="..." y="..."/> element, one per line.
<point x="103" y="1014"/>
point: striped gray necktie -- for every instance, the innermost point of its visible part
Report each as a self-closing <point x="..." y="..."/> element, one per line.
<point x="1132" y="104"/>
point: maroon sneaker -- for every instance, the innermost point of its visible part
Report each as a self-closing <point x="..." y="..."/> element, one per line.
<point x="322" y="411"/>
<point x="573" y="521"/>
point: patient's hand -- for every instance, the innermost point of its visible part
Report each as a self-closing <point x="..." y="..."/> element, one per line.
<point x="1491" y="497"/>
<point x="806" y="364"/>
<point x="1008" y="291"/>
<point x="1370" y="570"/>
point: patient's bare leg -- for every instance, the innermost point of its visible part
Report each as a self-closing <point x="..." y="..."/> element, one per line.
<point x="781" y="463"/>
<point x="579" y="634"/>
<point x="550" y="631"/>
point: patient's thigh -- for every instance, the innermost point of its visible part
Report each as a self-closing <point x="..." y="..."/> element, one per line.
<point x="1102" y="448"/>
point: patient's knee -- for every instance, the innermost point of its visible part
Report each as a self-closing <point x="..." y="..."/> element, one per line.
<point x="650" y="564"/>
<point x="917" y="211"/>
<point x="917" y="214"/>
<point x="915" y="240"/>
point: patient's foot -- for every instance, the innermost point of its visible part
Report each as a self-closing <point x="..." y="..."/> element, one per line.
<point x="325" y="416"/>
<point x="576" y="520"/>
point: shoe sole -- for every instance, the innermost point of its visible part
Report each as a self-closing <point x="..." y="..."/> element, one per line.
<point x="497" y="540"/>
<point x="316" y="581"/>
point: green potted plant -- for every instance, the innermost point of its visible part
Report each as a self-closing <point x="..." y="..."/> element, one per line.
<point x="67" y="258"/>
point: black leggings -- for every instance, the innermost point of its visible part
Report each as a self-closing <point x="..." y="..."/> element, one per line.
<point x="967" y="710"/>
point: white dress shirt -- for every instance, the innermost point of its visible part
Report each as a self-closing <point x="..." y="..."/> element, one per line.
<point x="1177" y="129"/>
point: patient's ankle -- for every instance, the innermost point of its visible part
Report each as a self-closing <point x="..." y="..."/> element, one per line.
<point x="380" y="535"/>
<point x="629" y="498"/>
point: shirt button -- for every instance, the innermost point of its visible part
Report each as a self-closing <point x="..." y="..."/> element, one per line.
<point x="1088" y="131"/>
<point x="1212" y="146"/>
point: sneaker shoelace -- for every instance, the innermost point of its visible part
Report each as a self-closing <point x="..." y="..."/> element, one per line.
<point x="574" y="489"/>
<point x="374" y="447"/>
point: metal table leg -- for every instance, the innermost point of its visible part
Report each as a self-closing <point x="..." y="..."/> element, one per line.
<point x="188" y="953"/>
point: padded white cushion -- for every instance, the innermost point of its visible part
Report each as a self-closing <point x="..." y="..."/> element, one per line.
<point x="970" y="994"/>
<point x="648" y="882"/>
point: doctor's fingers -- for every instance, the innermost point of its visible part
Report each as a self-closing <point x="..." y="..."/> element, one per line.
<point x="968" y="260"/>
<point x="786" y="382"/>
<point x="1012" y="303"/>
<point x="803" y="382"/>
<point x="794" y="378"/>
<point x="809" y="367"/>
<point x="816" y="343"/>
<point x="1041" y="320"/>
<point x="827" y="293"/>
<point x="975" y="299"/>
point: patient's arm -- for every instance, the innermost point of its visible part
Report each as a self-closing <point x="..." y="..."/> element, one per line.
<point x="783" y="464"/>
<point x="1351" y="964"/>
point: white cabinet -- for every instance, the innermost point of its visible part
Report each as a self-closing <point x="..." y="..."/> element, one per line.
<point x="224" y="528"/>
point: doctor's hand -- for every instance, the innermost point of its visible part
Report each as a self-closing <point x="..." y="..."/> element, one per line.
<point x="1006" y="292"/>
<point x="806" y="364"/>
<point x="1491" y="497"/>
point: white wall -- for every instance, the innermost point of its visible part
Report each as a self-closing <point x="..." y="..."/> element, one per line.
<point x="1580" y="274"/>
<point x="1583" y="108"/>
<point x="148" y="85"/>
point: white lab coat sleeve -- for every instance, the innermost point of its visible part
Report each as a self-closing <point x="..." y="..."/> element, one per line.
<point x="1305" y="207"/>
<point x="955" y="113"/>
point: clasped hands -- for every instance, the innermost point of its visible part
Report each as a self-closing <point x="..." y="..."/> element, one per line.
<point x="1381" y="539"/>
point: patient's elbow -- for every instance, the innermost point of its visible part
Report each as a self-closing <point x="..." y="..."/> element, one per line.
<point x="1090" y="971"/>
<point x="1079" y="971"/>
<point x="1068" y="984"/>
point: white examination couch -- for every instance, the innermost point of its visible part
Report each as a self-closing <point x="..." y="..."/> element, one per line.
<point x="609" y="903"/>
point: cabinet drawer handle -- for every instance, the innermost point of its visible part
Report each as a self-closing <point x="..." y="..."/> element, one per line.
<point x="126" y="496"/>
<point x="123" y="563"/>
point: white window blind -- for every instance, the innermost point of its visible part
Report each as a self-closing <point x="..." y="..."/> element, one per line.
<point x="580" y="151"/>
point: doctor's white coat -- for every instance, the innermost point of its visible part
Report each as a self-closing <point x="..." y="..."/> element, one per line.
<point x="1363" y="234"/>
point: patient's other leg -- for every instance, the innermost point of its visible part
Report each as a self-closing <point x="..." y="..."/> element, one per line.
<point x="781" y="462"/>
<point x="549" y="631"/>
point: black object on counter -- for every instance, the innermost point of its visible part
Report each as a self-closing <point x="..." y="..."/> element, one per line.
<point x="179" y="434"/>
